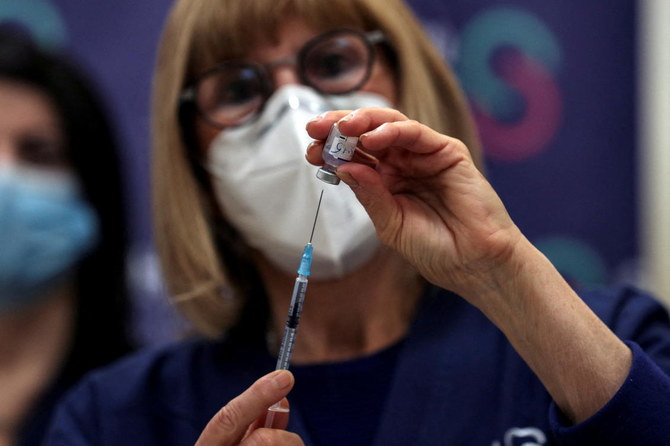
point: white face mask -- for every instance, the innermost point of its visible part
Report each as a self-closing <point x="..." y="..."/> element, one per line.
<point x="269" y="192"/>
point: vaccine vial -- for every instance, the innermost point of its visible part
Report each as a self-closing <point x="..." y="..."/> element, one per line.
<point x="339" y="149"/>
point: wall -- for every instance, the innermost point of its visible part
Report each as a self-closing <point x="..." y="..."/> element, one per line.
<point x="654" y="144"/>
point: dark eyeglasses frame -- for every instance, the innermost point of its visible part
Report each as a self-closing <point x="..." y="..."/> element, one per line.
<point x="370" y="38"/>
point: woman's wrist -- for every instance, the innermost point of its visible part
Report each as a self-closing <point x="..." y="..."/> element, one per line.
<point x="493" y="286"/>
<point x="577" y="358"/>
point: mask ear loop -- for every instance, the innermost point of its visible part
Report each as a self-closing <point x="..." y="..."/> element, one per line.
<point x="226" y="236"/>
<point x="234" y="252"/>
<point x="186" y="113"/>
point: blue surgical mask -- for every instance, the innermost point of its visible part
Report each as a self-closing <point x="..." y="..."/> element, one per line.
<point x="45" y="229"/>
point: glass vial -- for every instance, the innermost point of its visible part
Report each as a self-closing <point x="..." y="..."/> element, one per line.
<point x="338" y="149"/>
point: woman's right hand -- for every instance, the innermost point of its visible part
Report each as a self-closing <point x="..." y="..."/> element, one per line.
<point x="428" y="201"/>
<point x="241" y="421"/>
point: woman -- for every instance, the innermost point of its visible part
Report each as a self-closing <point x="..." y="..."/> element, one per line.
<point x="62" y="267"/>
<point x="384" y="354"/>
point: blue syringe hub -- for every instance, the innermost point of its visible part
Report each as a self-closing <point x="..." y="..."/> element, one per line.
<point x="306" y="261"/>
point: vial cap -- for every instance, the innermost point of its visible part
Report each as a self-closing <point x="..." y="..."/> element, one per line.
<point x="327" y="176"/>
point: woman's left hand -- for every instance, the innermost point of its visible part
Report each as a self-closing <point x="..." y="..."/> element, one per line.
<point x="426" y="198"/>
<point x="241" y="422"/>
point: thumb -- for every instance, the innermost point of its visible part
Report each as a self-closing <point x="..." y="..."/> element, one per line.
<point x="230" y="423"/>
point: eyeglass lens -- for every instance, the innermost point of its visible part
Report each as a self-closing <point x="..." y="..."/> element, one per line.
<point x="230" y="94"/>
<point x="335" y="63"/>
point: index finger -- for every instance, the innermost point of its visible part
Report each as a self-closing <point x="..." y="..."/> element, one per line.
<point x="319" y="127"/>
<point x="366" y="119"/>
<point x="352" y="123"/>
<point x="231" y="422"/>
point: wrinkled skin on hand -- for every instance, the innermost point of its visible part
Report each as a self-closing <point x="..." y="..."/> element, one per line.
<point x="426" y="198"/>
<point x="429" y="202"/>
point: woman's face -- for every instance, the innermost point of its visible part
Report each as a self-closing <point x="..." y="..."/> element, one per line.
<point x="293" y="34"/>
<point x="30" y="131"/>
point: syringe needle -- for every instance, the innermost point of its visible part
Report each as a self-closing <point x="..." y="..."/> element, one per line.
<point x="295" y="308"/>
<point x="318" y="206"/>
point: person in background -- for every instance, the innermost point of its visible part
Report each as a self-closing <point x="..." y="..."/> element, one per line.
<point x="63" y="297"/>
<point x="429" y="317"/>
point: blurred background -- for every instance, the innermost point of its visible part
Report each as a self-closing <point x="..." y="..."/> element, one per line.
<point x="572" y="102"/>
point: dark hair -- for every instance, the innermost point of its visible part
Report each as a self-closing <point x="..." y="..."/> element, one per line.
<point x="101" y="333"/>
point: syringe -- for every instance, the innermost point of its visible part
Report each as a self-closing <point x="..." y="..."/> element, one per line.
<point x="293" y="318"/>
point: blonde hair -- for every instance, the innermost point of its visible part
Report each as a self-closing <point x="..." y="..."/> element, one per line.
<point x="201" y="33"/>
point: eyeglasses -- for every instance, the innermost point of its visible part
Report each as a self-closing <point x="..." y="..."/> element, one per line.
<point x="232" y="93"/>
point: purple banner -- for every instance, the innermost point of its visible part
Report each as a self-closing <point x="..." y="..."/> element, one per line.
<point x="552" y="86"/>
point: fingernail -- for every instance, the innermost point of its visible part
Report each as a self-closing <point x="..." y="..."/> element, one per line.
<point x="361" y="139"/>
<point x="346" y="118"/>
<point x="316" y="118"/>
<point x="281" y="379"/>
<point x="347" y="179"/>
<point x="312" y="144"/>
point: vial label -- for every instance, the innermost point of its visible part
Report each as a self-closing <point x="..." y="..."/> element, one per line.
<point x="340" y="146"/>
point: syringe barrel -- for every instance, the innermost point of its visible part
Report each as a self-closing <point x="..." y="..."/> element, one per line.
<point x="288" y="340"/>
<point x="287" y="343"/>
